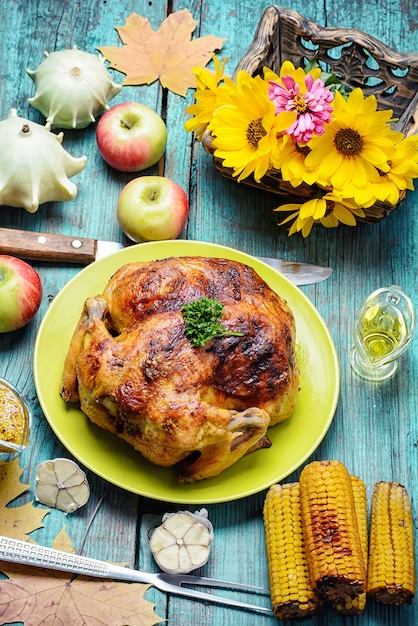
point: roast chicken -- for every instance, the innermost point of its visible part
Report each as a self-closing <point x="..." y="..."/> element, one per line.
<point x="134" y="372"/>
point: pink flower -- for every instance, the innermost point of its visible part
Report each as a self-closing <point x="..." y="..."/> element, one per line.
<point x="312" y="107"/>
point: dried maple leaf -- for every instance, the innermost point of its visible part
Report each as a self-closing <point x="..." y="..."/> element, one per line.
<point x="17" y="521"/>
<point x="63" y="542"/>
<point x="168" y="54"/>
<point x="37" y="596"/>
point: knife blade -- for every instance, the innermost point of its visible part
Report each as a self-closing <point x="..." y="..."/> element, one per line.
<point x="51" y="247"/>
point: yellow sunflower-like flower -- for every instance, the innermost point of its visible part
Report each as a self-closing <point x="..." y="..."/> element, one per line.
<point x="209" y="95"/>
<point x="341" y="146"/>
<point x="403" y="168"/>
<point x="290" y="159"/>
<point x="245" y="130"/>
<point x="206" y="79"/>
<point x="328" y="210"/>
<point x="356" y="145"/>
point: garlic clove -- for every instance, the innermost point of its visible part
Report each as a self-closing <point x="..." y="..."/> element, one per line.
<point x="182" y="542"/>
<point x="61" y="484"/>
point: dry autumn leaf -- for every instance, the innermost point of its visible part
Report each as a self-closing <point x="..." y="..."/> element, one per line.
<point x="63" y="542"/>
<point x="16" y="521"/>
<point x="168" y="55"/>
<point x="38" y="596"/>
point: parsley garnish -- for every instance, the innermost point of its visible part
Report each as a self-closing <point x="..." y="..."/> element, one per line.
<point x="202" y="321"/>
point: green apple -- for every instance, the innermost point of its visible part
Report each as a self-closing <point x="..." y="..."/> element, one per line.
<point x="20" y="293"/>
<point x="152" y="208"/>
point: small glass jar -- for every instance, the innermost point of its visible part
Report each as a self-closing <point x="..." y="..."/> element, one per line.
<point x="15" y="421"/>
<point x="383" y="329"/>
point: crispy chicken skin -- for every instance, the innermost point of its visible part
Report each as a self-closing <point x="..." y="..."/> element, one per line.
<point x="135" y="373"/>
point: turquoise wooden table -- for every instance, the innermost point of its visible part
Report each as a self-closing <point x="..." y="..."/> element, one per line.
<point x="375" y="428"/>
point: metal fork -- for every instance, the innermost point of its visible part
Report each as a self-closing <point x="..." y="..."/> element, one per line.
<point x="16" y="551"/>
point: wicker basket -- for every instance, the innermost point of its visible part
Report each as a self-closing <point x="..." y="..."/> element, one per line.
<point x="357" y="59"/>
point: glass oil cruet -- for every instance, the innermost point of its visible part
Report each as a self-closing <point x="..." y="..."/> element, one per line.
<point x="383" y="329"/>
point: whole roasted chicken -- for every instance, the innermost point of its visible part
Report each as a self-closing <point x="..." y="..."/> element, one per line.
<point x="135" y="373"/>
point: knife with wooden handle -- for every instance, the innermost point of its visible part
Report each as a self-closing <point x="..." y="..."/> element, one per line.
<point x="84" y="250"/>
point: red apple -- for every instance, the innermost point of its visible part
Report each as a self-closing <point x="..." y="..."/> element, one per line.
<point x="20" y="293"/>
<point x="131" y="137"/>
<point x="152" y="208"/>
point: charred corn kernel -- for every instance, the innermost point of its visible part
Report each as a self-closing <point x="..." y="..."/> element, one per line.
<point x="391" y="571"/>
<point x="292" y="596"/>
<point x="332" y="540"/>
<point x="357" y="605"/>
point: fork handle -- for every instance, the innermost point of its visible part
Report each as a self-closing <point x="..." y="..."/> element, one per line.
<point x="16" y="551"/>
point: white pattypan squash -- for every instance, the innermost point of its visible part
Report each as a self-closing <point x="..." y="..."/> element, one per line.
<point x="72" y="87"/>
<point x="34" y="167"/>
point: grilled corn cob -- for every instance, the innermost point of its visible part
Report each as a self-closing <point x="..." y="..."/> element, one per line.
<point x="391" y="572"/>
<point x="357" y="605"/>
<point x="291" y="593"/>
<point x="332" y="540"/>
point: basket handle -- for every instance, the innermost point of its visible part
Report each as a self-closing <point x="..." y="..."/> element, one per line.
<point x="285" y="34"/>
<point x="408" y="122"/>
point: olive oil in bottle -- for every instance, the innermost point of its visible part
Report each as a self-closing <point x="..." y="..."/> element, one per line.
<point x="382" y="330"/>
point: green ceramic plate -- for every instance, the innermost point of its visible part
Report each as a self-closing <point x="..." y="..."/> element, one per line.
<point x="114" y="460"/>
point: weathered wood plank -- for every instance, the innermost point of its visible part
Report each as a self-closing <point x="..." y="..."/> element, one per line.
<point x="24" y="36"/>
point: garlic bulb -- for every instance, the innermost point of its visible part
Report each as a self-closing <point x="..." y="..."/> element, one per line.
<point x="34" y="167"/>
<point x="61" y="484"/>
<point x="182" y="543"/>
<point x="72" y="87"/>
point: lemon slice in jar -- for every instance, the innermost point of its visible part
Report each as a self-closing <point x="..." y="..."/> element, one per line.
<point x="182" y="542"/>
